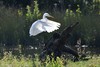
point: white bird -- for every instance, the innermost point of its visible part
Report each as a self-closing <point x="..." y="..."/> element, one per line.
<point x="43" y="25"/>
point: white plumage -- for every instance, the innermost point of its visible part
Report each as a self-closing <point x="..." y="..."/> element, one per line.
<point x="43" y="25"/>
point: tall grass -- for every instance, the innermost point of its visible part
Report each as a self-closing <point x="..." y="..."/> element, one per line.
<point x="88" y="27"/>
<point x="10" y="60"/>
<point x="11" y="26"/>
<point x="90" y="63"/>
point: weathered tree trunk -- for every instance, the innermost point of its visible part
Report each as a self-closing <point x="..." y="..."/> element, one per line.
<point x="56" y="44"/>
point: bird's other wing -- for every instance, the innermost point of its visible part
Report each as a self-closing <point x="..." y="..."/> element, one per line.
<point x="36" y="28"/>
<point x="52" y="26"/>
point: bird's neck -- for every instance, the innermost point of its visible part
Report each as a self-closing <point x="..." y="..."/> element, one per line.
<point x="44" y="17"/>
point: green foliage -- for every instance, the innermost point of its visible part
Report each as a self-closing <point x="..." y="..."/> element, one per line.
<point x="11" y="26"/>
<point x="86" y="6"/>
<point x="87" y="28"/>
<point x="69" y="16"/>
<point x="20" y="12"/>
<point x="78" y="11"/>
<point x="36" y="13"/>
<point x="32" y="15"/>
<point x="29" y="15"/>
<point x="90" y="63"/>
<point x="10" y="60"/>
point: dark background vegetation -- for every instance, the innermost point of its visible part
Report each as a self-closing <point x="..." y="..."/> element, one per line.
<point x="16" y="17"/>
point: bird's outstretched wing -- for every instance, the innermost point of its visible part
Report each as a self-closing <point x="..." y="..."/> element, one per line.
<point x="40" y="26"/>
<point x="51" y="26"/>
<point x="36" y="28"/>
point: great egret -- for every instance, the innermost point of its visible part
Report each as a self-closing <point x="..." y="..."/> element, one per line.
<point x="43" y="25"/>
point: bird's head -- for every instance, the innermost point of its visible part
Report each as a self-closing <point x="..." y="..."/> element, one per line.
<point x="46" y="15"/>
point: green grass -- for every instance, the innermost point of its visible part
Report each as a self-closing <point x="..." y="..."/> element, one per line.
<point x="10" y="60"/>
<point x="94" y="62"/>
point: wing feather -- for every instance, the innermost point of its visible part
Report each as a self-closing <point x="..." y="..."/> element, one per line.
<point x="52" y="26"/>
<point x="36" y="28"/>
<point x="40" y="26"/>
